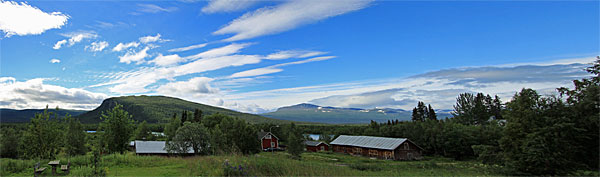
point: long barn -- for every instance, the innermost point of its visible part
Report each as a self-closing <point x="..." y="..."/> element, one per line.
<point x="378" y="147"/>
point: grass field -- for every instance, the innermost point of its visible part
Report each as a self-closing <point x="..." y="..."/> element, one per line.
<point x="263" y="164"/>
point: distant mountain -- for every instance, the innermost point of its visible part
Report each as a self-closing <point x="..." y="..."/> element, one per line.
<point x="19" y="116"/>
<point x="157" y="109"/>
<point x="313" y="113"/>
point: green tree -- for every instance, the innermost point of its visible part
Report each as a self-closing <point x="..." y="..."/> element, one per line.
<point x="118" y="127"/>
<point x="239" y="135"/>
<point x="8" y="139"/>
<point x="197" y="116"/>
<point x="295" y="141"/>
<point x="184" y="118"/>
<point x="420" y="112"/>
<point x="172" y="126"/>
<point x="431" y="113"/>
<point x="190" y="136"/>
<point x="42" y="139"/>
<point x="74" y="137"/>
<point x="143" y="132"/>
<point x="213" y="120"/>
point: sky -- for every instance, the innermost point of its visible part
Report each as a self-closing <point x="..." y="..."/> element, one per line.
<point x="257" y="56"/>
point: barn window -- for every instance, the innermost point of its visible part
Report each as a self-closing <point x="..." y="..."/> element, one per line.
<point x="268" y="137"/>
<point x="272" y="144"/>
<point x="372" y="152"/>
<point x="322" y="148"/>
<point x="406" y="146"/>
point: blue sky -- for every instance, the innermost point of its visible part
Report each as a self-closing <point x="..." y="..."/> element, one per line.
<point x="255" y="56"/>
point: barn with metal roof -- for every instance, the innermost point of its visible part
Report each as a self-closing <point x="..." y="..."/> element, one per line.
<point x="378" y="147"/>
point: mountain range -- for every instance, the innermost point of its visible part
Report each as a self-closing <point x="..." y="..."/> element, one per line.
<point x="314" y="113"/>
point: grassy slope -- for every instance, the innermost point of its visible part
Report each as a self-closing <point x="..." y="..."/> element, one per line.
<point x="263" y="164"/>
<point x="16" y="116"/>
<point x="156" y="109"/>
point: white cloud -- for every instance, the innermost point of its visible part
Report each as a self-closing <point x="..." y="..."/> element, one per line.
<point x="221" y="51"/>
<point x="23" y="19"/>
<point x="97" y="46"/>
<point x="194" y="87"/>
<point x="54" y="60"/>
<point x="167" y="60"/>
<point x="151" y="8"/>
<point x="34" y="94"/>
<point x="286" y="16"/>
<point x="122" y="46"/>
<point x="150" y="39"/>
<point x="132" y="56"/>
<point x="215" y="6"/>
<point x="188" y="48"/>
<point x="74" y="38"/>
<point x="256" y="72"/>
<point x="59" y="44"/>
<point x="293" y="54"/>
<point x="274" y="69"/>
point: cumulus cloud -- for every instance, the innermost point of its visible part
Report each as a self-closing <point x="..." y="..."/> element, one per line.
<point x="167" y="60"/>
<point x="151" y="8"/>
<point x="215" y="6"/>
<point x="54" y="60"/>
<point x="122" y="46"/>
<point x="132" y="56"/>
<point x="193" y="87"/>
<point x="150" y="39"/>
<point x="23" y="19"/>
<point x="286" y="16"/>
<point x="35" y="94"/>
<point x="74" y="38"/>
<point x="97" y="46"/>
<point x="182" y="49"/>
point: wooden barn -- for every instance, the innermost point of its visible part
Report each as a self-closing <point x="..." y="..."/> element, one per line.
<point x="315" y="146"/>
<point x="268" y="140"/>
<point x="378" y="147"/>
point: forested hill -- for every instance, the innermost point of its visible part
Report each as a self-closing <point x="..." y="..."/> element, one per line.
<point x="314" y="113"/>
<point x="158" y="109"/>
<point x="18" y="116"/>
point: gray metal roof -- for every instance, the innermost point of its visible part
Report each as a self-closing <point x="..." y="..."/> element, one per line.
<point x="152" y="147"/>
<point x="369" y="142"/>
<point x="313" y="143"/>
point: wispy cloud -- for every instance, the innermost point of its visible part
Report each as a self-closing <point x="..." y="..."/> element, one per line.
<point x="182" y="49"/>
<point x="275" y="68"/>
<point x="23" y="19"/>
<point x="215" y="6"/>
<point x="286" y="16"/>
<point x="152" y="8"/>
<point x="97" y="46"/>
<point x="221" y="51"/>
<point x="194" y="87"/>
<point x="74" y="38"/>
<point x="54" y="60"/>
<point x="293" y="54"/>
<point x="150" y="39"/>
<point x="167" y="60"/>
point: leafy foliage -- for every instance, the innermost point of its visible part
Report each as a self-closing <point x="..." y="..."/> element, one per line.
<point x="118" y="128"/>
<point x="42" y="139"/>
<point x="74" y="137"/>
<point x="143" y="132"/>
<point x="295" y="141"/>
<point x="190" y="136"/>
<point x="9" y="137"/>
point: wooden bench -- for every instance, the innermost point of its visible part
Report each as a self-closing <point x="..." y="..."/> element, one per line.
<point x="37" y="170"/>
<point x="65" y="168"/>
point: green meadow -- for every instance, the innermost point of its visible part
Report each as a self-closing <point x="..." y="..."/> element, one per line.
<point x="262" y="164"/>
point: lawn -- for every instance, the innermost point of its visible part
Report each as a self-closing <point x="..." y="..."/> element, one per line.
<point x="263" y="164"/>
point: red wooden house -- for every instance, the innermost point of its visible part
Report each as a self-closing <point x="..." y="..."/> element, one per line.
<point x="268" y="140"/>
<point x="315" y="146"/>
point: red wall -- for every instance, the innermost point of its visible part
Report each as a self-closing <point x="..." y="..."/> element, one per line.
<point x="317" y="148"/>
<point x="266" y="143"/>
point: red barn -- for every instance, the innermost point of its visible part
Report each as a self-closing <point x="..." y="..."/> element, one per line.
<point x="268" y="140"/>
<point x="315" y="146"/>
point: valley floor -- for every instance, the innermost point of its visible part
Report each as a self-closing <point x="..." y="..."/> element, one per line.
<point x="263" y="164"/>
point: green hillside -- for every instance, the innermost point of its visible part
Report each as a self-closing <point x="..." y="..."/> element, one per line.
<point x="19" y="116"/>
<point x="158" y="109"/>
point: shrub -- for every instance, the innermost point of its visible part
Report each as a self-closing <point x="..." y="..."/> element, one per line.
<point x="232" y="170"/>
<point x="365" y="167"/>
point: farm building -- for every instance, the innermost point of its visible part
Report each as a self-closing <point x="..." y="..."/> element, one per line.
<point x="268" y="140"/>
<point x="153" y="148"/>
<point x="315" y="146"/>
<point x="379" y="147"/>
